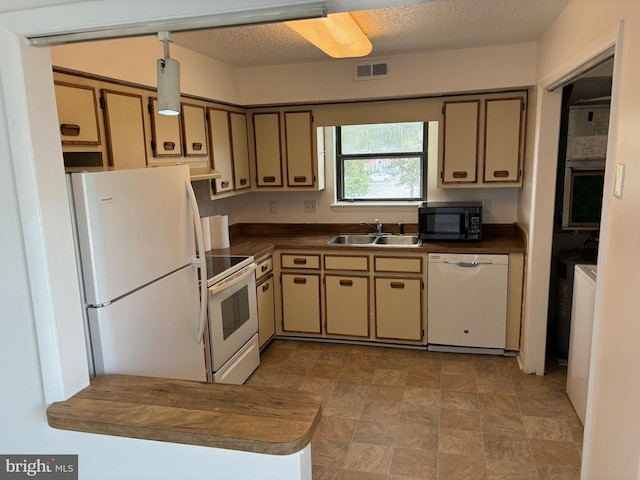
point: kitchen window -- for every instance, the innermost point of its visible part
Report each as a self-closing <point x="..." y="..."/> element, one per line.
<point x="381" y="162"/>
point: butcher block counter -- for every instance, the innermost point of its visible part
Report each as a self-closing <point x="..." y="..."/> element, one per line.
<point x="260" y="239"/>
<point x="247" y="418"/>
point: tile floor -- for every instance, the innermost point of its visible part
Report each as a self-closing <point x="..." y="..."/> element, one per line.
<point x="393" y="413"/>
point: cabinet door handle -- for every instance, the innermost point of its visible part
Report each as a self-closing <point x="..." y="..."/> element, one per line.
<point x="264" y="268"/>
<point x="168" y="146"/>
<point x="300" y="179"/>
<point x="299" y="280"/>
<point x="224" y="184"/>
<point x="196" y="146"/>
<point x="346" y="283"/>
<point x="70" y="130"/>
<point x="269" y="179"/>
<point x="265" y="287"/>
<point x="501" y="173"/>
<point x="243" y="181"/>
<point x="459" y="174"/>
<point x="397" y="284"/>
<point x="300" y="261"/>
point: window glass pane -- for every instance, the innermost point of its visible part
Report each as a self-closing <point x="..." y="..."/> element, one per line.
<point x="382" y="138"/>
<point x="382" y="178"/>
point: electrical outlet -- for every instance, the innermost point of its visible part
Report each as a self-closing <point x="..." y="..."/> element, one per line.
<point x="273" y="206"/>
<point x="486" y="206"/>
<point x="309" y="206"/>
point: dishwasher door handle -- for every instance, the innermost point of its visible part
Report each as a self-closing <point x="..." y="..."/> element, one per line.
<point x="470" y="264"/>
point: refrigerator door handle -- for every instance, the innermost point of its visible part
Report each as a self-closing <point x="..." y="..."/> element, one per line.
<point x="199" y="263"/>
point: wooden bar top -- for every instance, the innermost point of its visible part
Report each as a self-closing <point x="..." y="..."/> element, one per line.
<point x="247" y="418"/>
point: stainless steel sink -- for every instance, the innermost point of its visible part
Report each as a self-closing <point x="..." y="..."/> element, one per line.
<point x="352" y="239"/>
<point x="399" y="240"/>
<point x="375" y="240"/>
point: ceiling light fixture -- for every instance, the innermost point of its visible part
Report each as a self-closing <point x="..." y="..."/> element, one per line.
<point x="168" y="79"/>
<point x="337" y="35"/>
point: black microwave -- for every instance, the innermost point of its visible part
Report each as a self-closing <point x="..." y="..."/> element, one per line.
<point x="450" y="221"/>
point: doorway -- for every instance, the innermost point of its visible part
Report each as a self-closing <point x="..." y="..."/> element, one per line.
<point x="581" y="164"/>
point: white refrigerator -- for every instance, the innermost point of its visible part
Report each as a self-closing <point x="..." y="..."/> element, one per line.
<point x="139" y="246"/>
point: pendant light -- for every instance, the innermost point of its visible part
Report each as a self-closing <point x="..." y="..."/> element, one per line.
<point x="168" y="79"/>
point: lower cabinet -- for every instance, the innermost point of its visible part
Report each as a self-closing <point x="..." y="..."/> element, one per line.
<point x="374" y="295"/>
<point x="347" y="305"/>
<point x="266" y="310"/>
<point x="398" y="308"/>
<point x="358" y="296"/>
<point x="301" y="302"/>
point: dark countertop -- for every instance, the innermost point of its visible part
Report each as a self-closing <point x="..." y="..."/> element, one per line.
<point x="260" y="240"/>
<point x="247" y="418"/>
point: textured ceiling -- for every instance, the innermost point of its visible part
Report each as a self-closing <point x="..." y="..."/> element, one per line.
<point x="422" y="27"/>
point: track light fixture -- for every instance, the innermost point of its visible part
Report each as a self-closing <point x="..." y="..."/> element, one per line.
<point x="168" y="79"/>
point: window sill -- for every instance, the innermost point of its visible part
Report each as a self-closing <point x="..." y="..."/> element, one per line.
<point x="358" y="205"/>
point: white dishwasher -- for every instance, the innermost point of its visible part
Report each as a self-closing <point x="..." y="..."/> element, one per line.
<point x="467" y="302"/>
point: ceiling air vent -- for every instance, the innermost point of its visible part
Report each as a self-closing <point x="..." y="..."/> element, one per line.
<point x="371" y="70"/>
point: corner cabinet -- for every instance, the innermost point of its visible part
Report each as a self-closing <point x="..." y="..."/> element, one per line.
<point x="288" y="152"/>
<point x="482" y="141"/>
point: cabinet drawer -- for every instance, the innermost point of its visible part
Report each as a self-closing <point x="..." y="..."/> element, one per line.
<point x="398" y="264"/>
<point x="264" y="267"/>
<point x="346" y="262"/>
<point x="288" y="260"/>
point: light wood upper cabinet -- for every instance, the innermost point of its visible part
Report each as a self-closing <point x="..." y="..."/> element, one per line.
<point x="240" y="150"/>
<point x="482" y="141"/>
<point x="299" y="148"/>
<point x="503" y="139"/>
<point x="289" y="154"/>
<point x="194" y="130"/>
<point x="221" y="149"/>
<point x="460" y="152"/>
<point x="268" y="154"/>
<point x="77" y="114"/>
<point x="124" y="126"/>
<point x="165" y="132"/>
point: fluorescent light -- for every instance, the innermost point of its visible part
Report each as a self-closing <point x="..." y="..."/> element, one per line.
<point x="168" y="80"/>
<point x="337" y="35"/>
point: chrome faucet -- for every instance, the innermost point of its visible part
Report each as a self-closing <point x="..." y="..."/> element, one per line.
<point x="377" y="228"/>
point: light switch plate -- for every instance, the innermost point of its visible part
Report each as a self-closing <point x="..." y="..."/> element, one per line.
<point x="617" y="189"/>
<point x="309" y="206"/>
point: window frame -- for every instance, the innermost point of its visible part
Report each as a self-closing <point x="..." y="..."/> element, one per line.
<point x="340" y="158"/>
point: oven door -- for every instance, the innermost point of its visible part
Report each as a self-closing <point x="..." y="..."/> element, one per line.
<point x="233" y="315"/>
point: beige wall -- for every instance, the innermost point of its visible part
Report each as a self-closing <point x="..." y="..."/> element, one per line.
<point x="427" y="74"/>
<point x="134" y="60"/>
<point x="612" y="434"/>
